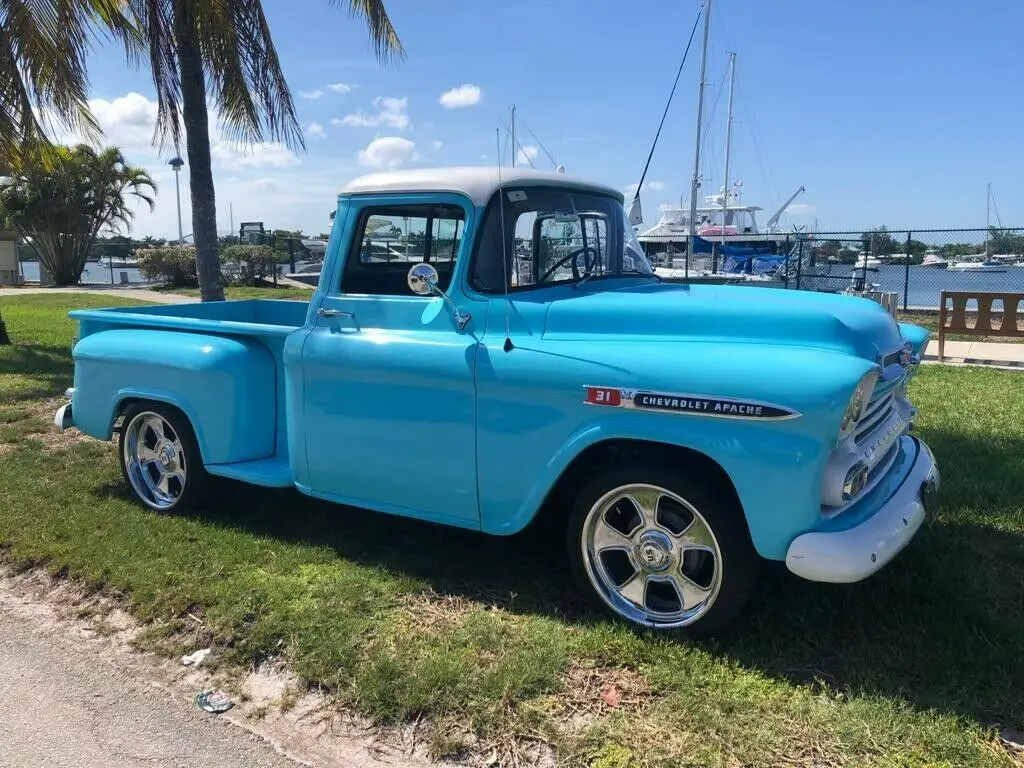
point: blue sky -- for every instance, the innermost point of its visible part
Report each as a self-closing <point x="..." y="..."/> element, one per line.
<point x="889" y="113"/>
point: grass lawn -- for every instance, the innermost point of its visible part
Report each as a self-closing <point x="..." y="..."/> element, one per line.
<point x="245" y="292"/>
<point x="482" y="639"/>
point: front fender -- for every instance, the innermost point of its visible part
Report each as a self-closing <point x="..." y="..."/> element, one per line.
<point x="534" y="424"/>
<point x="225" y="386"/>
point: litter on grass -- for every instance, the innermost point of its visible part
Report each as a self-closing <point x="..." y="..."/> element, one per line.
<point x="214" y="702"/>
<point x="195" y="659"/>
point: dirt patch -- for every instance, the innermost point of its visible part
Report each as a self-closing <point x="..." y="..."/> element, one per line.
<point x="51" y="439"/>
<point x="432" y="610"/>
<point x="594" y="691"/>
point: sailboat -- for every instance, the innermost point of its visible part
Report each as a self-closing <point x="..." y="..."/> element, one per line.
<point x="723" y="231"/>
<point x="988" y="264"/>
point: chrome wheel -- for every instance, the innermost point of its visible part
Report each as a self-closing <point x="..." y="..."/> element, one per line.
<point x="651" y="556"/>
<point x="154" y="460"/>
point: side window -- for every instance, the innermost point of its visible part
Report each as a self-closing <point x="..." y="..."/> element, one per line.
<point x="391" y="239"/>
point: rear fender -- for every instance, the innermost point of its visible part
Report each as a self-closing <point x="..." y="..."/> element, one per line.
<point x="226" y="387"/>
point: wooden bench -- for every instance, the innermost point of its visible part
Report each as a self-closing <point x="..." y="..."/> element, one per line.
<point x="953" y="315"/>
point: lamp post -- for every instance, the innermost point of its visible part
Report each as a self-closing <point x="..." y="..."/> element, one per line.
<point x="176" y="164"/>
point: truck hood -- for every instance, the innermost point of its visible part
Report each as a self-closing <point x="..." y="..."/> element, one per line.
<point x="674" y="312"/>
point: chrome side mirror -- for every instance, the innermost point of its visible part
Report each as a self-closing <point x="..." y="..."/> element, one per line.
<point x="422" y="279"/>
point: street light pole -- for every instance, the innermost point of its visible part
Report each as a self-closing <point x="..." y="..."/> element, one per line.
<point x="176" y="164"/>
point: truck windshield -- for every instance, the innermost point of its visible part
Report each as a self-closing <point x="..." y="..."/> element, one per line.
<point x="552" y="236"/>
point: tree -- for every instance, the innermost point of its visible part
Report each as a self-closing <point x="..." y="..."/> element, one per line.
<point x="1005" y="241"/>
<point x="63" y="203"/>
<point x="43" y="51"/>
<point x="191" y="46"/>
<point x="878" y="242"/>
<point x="223" y="52"/>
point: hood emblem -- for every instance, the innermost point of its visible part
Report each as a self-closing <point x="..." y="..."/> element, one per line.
<point x="675" y="402"/>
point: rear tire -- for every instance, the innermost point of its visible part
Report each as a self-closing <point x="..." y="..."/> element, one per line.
<point x="662" y="550"/>
<point x="160" y="458"/>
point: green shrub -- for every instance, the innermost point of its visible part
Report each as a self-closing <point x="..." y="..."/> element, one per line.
<point x="243" y="264"/>
<point x="173" y="265"/>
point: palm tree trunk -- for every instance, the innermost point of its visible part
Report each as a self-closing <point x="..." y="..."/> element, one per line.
<point x="197" y="141"/>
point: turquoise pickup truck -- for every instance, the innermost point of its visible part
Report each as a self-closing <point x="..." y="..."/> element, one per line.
<point x="482" y="351"/>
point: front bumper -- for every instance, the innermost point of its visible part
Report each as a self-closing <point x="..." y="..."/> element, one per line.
<point x="64" y="418"/>
<point x="849" y="555"/>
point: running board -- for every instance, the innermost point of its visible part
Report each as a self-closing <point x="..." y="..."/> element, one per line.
<point x="274" y="472"/>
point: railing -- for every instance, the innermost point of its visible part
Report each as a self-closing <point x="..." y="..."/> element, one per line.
<point x="1002" y="321"/>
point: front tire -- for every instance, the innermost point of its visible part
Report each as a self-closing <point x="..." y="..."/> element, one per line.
<point x="653" y="546"/>
<point x="160" y="458"/>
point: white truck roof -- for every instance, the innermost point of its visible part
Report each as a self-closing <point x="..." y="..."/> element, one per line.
<point x="478" y="183"/>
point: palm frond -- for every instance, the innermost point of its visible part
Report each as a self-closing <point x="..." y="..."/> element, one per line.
<point x="383" y="37"/>
<point x="44" y="45"/>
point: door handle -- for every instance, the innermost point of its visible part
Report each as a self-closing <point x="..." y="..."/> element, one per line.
<point x="333" y="313"/>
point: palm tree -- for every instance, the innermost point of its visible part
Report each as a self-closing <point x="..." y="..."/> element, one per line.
<point x="227" y="45"/>
<point x="62" y="205"/>
<point x="43" y="50"/>
<point x="189" y="44"/>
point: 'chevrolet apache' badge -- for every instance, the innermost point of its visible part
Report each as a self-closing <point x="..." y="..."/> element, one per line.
<point x="672" y="402"/>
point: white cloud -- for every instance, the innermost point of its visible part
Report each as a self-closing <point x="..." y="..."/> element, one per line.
<point x="466" y="95"/>
<point x="339" y="87"/>
<point x="265" y="185"/>
<point x="649" y="186"/>
<point x="527" y="154"/>
<point x="267" y="154"/>
<point x="315" y="129"/>
<point x="391" y="113"/>
<point x="801" y="209"/>
<point x="127" y="121"/>
<point x="437" y="145"/>
<point x="387" y="152"/>
<point x="311" y="94"/>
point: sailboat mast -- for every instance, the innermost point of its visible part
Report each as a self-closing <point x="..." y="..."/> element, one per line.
<point x="695" y="182"/>
<point x="728" y="143"/>
<point x="514" y="150"/>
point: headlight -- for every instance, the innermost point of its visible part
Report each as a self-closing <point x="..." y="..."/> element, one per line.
<point x="907" y="355"/>
<point x="858" y="401"/>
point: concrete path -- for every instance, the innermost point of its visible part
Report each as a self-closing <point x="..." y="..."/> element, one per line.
<point x="65" y="704"/>
<point x="142" y="294"/>
<point x="987" y="353"/>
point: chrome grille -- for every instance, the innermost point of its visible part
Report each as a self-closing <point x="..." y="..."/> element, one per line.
<point x="878" y="410"/>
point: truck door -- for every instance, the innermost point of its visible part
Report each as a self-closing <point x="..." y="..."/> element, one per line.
<point x="389" y="393"/>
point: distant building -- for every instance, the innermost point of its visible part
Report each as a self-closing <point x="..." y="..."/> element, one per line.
<point x="10" y="274"/>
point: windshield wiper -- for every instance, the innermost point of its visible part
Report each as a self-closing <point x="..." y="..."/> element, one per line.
<point x="638" y="273"/>
<point x="624" y="273"/>
<point x="582" y="280"/>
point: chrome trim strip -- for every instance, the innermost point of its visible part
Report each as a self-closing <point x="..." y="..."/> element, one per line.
<point x="688" y="404"/>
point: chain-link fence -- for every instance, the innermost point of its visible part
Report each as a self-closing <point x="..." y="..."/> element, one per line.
<point x="915" y="265"/>
<point x="113" y="260"/>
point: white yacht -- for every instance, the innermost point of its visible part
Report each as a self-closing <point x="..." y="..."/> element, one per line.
<point x="119" y="262"/>
<point x="933" y="260"/>
<point x="977" y="265"/>
<point x="866" y="261"/>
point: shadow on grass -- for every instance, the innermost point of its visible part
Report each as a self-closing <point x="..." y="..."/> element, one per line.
<point x="48" y="368"/>
<point x="941" y="627"/>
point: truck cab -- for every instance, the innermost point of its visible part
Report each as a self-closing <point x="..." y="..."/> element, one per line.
<point x="489" y="345"/>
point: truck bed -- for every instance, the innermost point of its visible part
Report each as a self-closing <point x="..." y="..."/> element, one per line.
<point x="151" y="352"/>
<point x="253" y="317"/>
